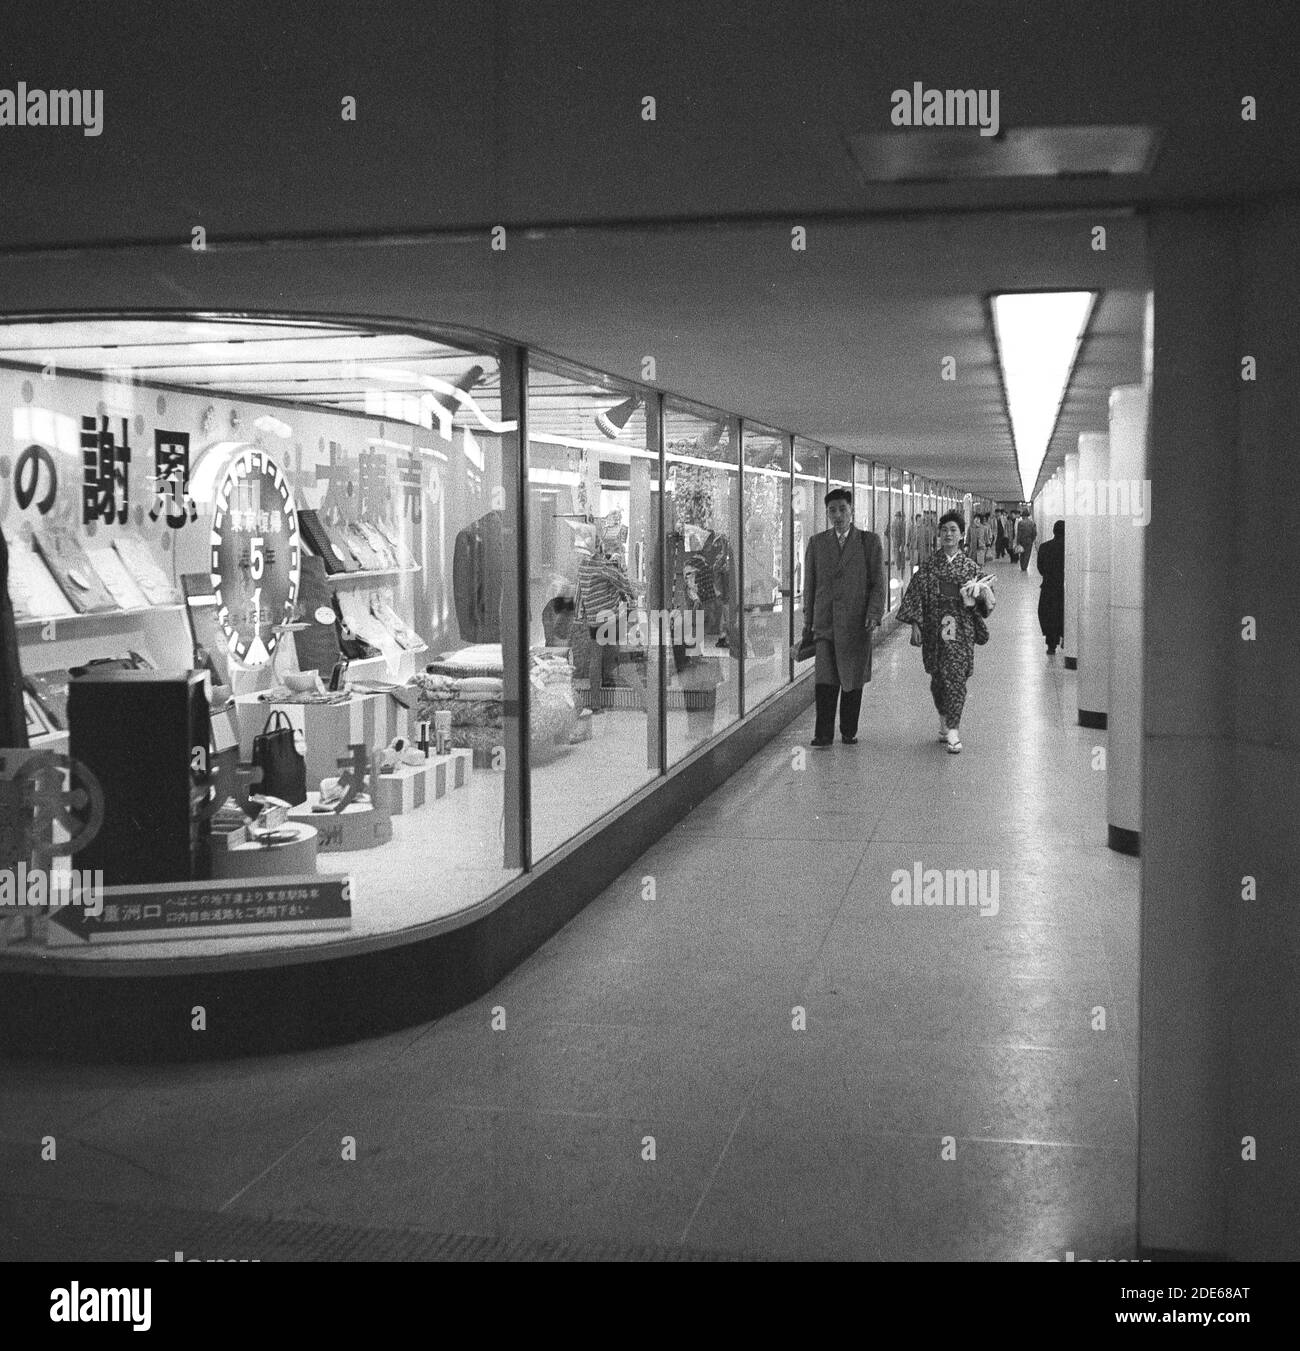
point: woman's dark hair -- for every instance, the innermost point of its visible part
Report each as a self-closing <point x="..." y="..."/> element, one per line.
<point x="953" y="515"/>
<point x="1059" y="529"/>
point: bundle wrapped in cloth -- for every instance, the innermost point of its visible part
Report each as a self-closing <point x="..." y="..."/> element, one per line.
<point x="978" y="593"/>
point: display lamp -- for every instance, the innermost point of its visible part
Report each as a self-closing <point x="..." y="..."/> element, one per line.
<point x="612" y="421"/>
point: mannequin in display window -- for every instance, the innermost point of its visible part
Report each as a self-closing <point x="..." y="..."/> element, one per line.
<point x="604" y="589"/>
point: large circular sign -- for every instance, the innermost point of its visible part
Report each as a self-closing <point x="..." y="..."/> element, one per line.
<point x="255" y="556"/>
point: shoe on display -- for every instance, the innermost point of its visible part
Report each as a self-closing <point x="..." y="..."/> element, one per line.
<point x="400" y="751"/>
<point x="954" y="741"/>
<point x="331" y="794"/>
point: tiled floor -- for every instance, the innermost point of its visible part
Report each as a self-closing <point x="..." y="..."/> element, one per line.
<point x="757" y="1054"/>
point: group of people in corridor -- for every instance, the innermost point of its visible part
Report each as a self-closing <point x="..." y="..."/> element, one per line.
<point x="947" y="602"/>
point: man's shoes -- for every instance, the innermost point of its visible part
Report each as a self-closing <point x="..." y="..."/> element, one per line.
<point x="821" y="741"/>
<point x="849" y="740"/>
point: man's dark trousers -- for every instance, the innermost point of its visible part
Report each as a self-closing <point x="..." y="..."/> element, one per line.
<point x="850" y="702"/>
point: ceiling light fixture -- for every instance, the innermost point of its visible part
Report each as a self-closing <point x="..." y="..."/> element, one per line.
<point x="1038" y="335"/>
<point x="613" y="420"/>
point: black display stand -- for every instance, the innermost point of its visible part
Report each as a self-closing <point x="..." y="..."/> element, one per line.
<point x="138" y="733"/>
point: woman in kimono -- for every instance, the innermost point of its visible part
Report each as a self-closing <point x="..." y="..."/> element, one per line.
<point x="948" y="628"/>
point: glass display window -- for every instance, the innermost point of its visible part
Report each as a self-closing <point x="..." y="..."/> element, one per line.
<point x="881" y="517"/>
<point x="593" y="515"/>
<point x="700" y="573"/>
<point x="262" y="581"/>
<point x="809" y="487"/>
<point x="767" y="568"/>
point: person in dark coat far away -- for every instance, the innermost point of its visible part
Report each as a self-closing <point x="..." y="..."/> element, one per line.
<point x="1051" y="599"/>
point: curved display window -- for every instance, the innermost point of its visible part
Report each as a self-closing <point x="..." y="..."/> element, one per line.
<point x="259" y="573"/>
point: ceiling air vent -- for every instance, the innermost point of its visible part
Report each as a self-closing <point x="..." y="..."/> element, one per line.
<point x="945" y="154"/>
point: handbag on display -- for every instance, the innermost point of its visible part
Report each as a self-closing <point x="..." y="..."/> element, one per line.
<point x="284" y="771"/>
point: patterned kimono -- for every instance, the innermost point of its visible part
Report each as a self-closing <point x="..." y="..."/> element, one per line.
<point x="947" y="649"/>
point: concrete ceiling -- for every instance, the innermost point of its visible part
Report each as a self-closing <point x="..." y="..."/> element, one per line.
<point x="629" y="239"/>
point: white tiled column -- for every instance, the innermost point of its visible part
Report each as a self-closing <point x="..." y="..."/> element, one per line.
<point x="1129" y="409"/>
<point x="1073" y="545"/>
<point x="1094" y="581"/>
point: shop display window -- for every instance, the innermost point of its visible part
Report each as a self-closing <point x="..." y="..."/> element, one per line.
<point x="700" y="562"/>
<point x="260" y="574"/>
<point x="766" y="602"/>
<point x="595" y="673"/>
<point x="809" y="519"/>
<point x="881" y="519"/>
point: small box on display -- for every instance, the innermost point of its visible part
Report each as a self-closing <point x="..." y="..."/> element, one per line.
<point x="409" y="787"/>
<point x="235" y="855"/>
<point x="358" y="826"/>
<point x="325" y="730"/>
<point x="225" y="728"/>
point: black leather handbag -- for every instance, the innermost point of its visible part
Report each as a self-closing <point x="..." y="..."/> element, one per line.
<point x="284" y="771"/>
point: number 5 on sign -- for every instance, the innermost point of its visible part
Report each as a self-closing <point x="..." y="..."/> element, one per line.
<point x="257" y="560"/>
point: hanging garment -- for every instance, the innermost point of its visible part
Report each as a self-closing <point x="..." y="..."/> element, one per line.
<point x="477" y="566"/>
<point x="602" y="585"/>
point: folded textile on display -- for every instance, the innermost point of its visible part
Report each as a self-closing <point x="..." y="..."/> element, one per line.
<point x="158" y="588"/>
<point x="119" y="583"/>
<point x="73" y="571"/>
<point x="32" y="588"/>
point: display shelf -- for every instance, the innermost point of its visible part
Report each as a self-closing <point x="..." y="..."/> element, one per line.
<point x="377" y="574"/>
<point x="97" y="621"/>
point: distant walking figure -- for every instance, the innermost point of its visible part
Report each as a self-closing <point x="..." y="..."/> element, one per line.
<point x="1051" y="599"/>
<point x="1026" y="533"/>
<point x="948" y="612"/>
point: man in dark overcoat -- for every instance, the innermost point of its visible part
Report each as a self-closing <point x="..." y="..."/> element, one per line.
<point x="843" y="601"/>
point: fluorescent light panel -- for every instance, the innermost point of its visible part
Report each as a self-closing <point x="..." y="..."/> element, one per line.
<point x="1038" y="336"/>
